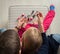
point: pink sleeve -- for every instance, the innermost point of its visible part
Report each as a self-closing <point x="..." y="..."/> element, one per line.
<point x="48" y="19"/>
<point x="21" y="31"/>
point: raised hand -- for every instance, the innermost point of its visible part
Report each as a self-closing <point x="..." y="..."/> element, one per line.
<point x="40" y="22"/>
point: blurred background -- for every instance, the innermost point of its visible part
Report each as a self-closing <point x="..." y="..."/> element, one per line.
<point x="4" y="11"/>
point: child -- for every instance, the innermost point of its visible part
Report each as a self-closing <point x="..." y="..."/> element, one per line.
<point x="46" y="23"/>
<point x="31" y="40"/>
<point x="9" y="42"/>
<point x="49" y="46"/>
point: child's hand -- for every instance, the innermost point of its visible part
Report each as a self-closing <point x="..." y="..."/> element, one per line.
<point x="20" y="22"/>
<point x="40" y="17"/>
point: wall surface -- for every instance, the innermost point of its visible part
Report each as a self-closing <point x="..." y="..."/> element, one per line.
<point x="5" y="4"/>
<point x="0" y="14"/>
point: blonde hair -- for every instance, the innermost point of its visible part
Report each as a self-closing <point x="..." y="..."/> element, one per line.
<point x="31" y="39"/>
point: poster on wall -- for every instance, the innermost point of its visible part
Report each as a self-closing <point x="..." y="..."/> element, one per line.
<point x="17" y="10"/>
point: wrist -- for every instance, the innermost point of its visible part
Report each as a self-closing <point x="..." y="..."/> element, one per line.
<point x="17" y="27"/>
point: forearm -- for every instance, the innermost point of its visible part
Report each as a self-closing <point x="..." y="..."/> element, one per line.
<point x="41" y="28"/>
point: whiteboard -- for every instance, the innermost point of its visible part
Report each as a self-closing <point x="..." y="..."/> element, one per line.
<point x="17" y="10"/>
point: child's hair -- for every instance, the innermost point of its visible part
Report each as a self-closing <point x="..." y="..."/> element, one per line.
<point x="9" y="42"/>
<point x="31" y="40"/>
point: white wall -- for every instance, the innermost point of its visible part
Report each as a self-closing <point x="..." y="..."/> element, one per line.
<point x="0" y="14"/>
<point x="55" y="27"/>
<point x="5" y="10"/>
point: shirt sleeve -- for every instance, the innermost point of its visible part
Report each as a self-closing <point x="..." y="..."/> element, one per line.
<point x="48" y="19"/>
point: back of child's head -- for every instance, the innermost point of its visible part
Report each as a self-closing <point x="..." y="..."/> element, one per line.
<point x="9" y="42"/>
<point x="31" y="40"/>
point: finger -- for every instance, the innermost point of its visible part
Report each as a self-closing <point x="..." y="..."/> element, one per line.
<point x="40" y="14"/>
<point x="26" y="20"/>
<point x="21" y="20"/>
